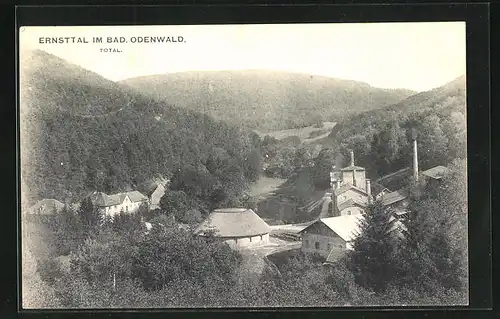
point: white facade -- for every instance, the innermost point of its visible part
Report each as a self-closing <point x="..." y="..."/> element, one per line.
<point x="127" y="206"/>
<point x="322" y="244"/>
<point x="352" y="210"/>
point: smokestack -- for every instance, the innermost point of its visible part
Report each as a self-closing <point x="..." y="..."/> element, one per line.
<point x="354" y="170"/>
<point x="369" y="190"/>
<point x="354" y="177"/>
<point x="415" y="160"/>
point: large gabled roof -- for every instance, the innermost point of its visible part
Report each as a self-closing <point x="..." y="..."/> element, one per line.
<point x="103" y="200"/>
<point x="346" y="187"/>
<point x="346" y="227"/>
<point x="351" y="202"/>
<point x="233" y="222"/>
<point x="352" y="168"/>
<point x="46" y="207"/>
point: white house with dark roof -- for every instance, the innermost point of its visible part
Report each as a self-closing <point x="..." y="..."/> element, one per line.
<point x="238" y="227"/>
<point x="127" y="202"/>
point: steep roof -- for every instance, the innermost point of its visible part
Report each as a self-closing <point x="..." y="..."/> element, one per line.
<point x="346" y="226"/>
<point x="351" y="202"/>
<point x="135" y="196"/>
<point x="352" y="168"/>
<point x="99" y="199"/>
<point x="394" y="197"/>
<point x="346" y="187"/>
<point x="46" y="207"/>
<point x="436" y="172"/>
<point x="103" y="200"/>
<point x="233" y="222"/>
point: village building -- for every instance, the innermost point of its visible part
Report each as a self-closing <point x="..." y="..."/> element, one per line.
<point x="154" y="191"/>
<point x="238" y="227"/>
<point x="45" y="207"/>
<point x="397" y="201"/>
<point x="110" y="205"/>
<point x="330" y="237"/>
<point x="351" y="190"/>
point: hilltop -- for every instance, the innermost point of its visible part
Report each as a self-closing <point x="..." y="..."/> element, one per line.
<point x="266" y="100"/>
<point x="81" y="133"/>
<point x="55" y="82"/>
<point x="381" y="137"/>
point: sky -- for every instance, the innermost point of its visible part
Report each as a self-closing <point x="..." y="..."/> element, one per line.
<point x="417" y="56"/>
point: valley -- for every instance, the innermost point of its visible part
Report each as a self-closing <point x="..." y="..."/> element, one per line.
<point x="262" y="142"/>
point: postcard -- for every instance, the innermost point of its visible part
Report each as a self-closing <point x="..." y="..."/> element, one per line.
<point x="245" y="165"/>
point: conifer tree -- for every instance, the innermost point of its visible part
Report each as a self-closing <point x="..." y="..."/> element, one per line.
<point x="67" y="229"/>
<point x="435" y="244"/>
<point x="373" y="259"/>
<point x="90" y="216"/>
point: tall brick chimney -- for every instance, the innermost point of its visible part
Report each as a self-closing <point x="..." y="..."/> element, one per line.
<point x="415" y="160"/>
<point x="354" y="170"/>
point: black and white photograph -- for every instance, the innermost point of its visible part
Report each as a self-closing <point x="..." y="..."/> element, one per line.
<point x="243" y="166"/>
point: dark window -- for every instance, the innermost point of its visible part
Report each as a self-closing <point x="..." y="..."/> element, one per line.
<point x="250" y="238"/>
<point x="329" y="247"/>
<point x="316" y="245"/>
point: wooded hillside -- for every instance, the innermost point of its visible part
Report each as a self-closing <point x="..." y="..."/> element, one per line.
<point x="267" y="100"/>
<point x="81" y="133"/>
<point x="381" y="139"/>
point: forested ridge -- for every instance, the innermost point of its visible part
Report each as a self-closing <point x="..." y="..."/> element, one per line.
<point x="83" y="133"/>
<point x="267" y="100"/>
<point x="381" y="139"/>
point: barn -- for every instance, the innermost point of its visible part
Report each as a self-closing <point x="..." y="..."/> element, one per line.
<point x="331" y="236"/>
<point x="239" y="227"/>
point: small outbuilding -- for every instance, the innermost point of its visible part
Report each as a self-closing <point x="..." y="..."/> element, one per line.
<point x="45" y="207"/>
<point x="238" y="227"/>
